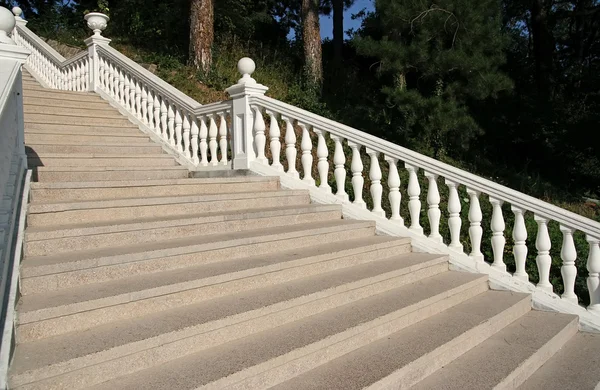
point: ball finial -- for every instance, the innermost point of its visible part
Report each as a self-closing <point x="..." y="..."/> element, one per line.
<point x="17" y="12"/>
<point x="246" y="67"/>
<point x="7" y="24"/>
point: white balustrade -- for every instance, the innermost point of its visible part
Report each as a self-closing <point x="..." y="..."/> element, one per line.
<point x="568" y="254"/>
<point x="186" y="137"/>
<point x="475" y="229"/>
<point x="290" y="147"/>
<point x="433" y="201"/>
<point x="223" y="144"/>
<point x="339" y="161"/>
<point x="194" y="132"/>
<point x="322" y="164"/>
<point x="414" y="204"/>
<point x="454" y="221"/>
<point x="178" y="130"/>
<point x="275" y="145"/>
<point x="376" y="187"/>
<point x="593" y="280"/>
<point x="213" y="132"/>
<point x="543" y="259"/>
<point x="203" y="142"/>
<point x="394" y="196"/>
<point x="307" y="158"/>
<point x="498" y="241"/>
<point x="519" y="236"/>
<point x="260" y="140"/>
<point x="357" y="175"/>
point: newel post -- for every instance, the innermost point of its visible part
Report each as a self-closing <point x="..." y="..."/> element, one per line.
<point x="242" y="115"/>
<point x="97" y="22"/>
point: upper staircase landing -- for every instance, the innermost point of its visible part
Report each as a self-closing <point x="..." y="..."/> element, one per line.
<point x="138" y="276"/>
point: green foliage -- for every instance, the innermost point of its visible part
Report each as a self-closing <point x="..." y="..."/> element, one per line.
<point x="432" y="59"/>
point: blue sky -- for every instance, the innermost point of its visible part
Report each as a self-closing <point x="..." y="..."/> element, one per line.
<point x="327" y="21"/>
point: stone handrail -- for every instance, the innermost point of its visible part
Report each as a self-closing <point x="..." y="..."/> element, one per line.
<point x="344" y="138"/>
<point x="199" y="134"/>
<point x="13" y="165"/>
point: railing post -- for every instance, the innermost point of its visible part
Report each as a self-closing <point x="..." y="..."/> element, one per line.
<point x="242" y="116"/>
<point x="96" y="22"/>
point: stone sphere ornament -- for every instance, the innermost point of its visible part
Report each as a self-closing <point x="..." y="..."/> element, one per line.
<point x="97" y="22"/>
<point x="17" y="12"/>
<point x="7" y="24"/>
<point x="246" y="67"/>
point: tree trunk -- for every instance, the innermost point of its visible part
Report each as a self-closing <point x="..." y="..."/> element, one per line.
<point x="311" y="36"/>
<point x="338" y="30"/>
<point x="202" y="33"/>
<point x="543" y="47"/>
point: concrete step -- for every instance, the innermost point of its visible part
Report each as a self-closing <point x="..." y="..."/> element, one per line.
<point x="80" y="129"/>
<point x="124" y="139"/>
<point x="401" y="359"/>
<point x="155" y="230"/>
<point x="51" y="94"/>
<point x="79" y="308"/>
<point x="102" y="190"/>
<point x="51" y="273"/>
<point x="113" y="120"/>
<point x="98" y="160"/>
<point x="103" y="112"/>
<point x="36" y="101"/>
<point x="99" y="148"/>
<point x="69" y="213"/>
<point x="78" y="174"/>
<point x="575" y="366"/>
<point x="508" y="358"/>
<point x="293" y="346"/>
<point x="130" y="346"/>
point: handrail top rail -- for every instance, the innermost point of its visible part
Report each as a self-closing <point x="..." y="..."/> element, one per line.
<point x="171" y="93"/>
<point x="75" y="58"/>
<point x="52" y="54"/>
<point x="9" y="72"/>
<point x="213" y="108"/>
<point x="450" y="173"/>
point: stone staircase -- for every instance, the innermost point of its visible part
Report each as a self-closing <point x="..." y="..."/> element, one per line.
<point x="138" y="276"/>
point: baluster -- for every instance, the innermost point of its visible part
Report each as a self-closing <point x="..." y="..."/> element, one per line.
<point x="150" y="103"/>
<point x="519" y="236"/>
<point x="260" y="140"/>
<point x="87" y="83"/>
<point x="593" y="280"/>
<point x="322" y="164"/>
<point x="376" y="188"/>
<point x="203" y="143"/>
<point x="394" y="195"/>
<point x="163" y="120"/>
<point x="111" y="79"/>
<point x="498" y="241"/>
<point x="122" y="92"/>
<point x="339" y="160"/>
<point x="132" y="96"/>
<point x="274" y="134"/>
<point x="171" y="124"/>
<point x="116" y="84"/>
<point x="213" y="132"/>
<point x="307" y="158"/>
<point x="568" y="254"/>
<point x="223" y="138"/>
<point x="127" y="92"/>
<point x="144" y="106"/>
<point x="414" y="204"/>
<point x="433" y="202"/>
<point x="70" y="79"/>
<point x="107" y="77"/>
<point x="475" y="230"/>
<point x="77" y="77"/>
<point x="290" y="147"/>
<point x="194" y="132"/>
<point x="157" y="114"/>
<point x="454" y="221"/>
<point x="178" y="135"/>
<point x="358" y="181"/>
<point x="138" y="100"/>
<point x="543" y="259"/>
<point x="186" y="136"/>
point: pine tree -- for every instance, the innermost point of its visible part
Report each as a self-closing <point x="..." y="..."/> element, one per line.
<point x="202" y="33"/>
<point x="311" y="37"/>
<point x="433" y="58"/>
